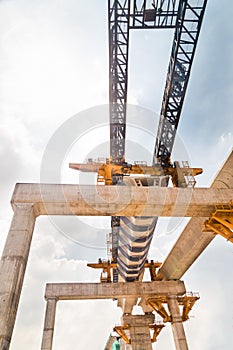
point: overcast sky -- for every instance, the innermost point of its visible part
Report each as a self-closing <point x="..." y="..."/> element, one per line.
<point x="53" y="91"/>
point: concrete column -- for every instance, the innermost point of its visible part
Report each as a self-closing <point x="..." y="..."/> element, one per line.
<point x="177" y="324"/>
<point x="12" y="268"/>
<point x="49" y="322"/>
<point x="139" y="330"/>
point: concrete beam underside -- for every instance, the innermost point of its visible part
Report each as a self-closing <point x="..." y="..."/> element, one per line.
<point x="50" y="199"/>
<point x="84" y="291"/>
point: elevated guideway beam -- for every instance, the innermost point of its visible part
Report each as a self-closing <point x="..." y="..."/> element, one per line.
<point x="193" y="241"/>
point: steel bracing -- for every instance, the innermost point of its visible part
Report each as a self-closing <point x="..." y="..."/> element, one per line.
<point x="185" y="16"/>
<point x="118" y="73"/>
<point x="147" y="14"/>
<point x="118" y="21"/>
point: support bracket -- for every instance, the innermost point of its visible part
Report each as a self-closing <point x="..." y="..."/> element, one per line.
<point x="156" y="328"/>
<point x="221" y="221"/>
<point x="107" y="266"/>
<point x="187" y="301"/>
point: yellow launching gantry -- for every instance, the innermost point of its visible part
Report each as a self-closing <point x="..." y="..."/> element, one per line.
<point x="181" y="175"/>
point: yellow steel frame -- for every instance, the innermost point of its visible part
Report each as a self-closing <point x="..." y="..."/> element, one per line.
<point x="121" y="331"/>
<point x="107" y="266"/>
<point x="221" y="221"/>
<point x="187" y="301"/>
<point x="157" y="305"/>
<point x="155" y="327"/>
<point x="107" y="170"/>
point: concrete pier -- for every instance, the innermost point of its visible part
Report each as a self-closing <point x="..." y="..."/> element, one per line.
<point x="139" y="330"/>
<point x="49" y="323"/>
<point x="177" y="324"/>
<point x="12" y="268"/>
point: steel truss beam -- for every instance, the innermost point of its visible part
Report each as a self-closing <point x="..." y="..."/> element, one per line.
<point x="118" y="21"/>
<point x="187" y="31"/>
<point x="183" y="15"/>
<point x="118" y="73"/>
<point x="146" y="14"/>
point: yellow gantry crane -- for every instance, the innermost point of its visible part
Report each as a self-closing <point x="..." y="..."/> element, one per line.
<point x="181" y="175"/>
<point x="131" y="236"/>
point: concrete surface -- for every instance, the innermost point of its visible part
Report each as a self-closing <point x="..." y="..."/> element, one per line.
<point x="49" y="323"/>
<point x="12" y="268"/>
<point x="83" y="291"/>
<point x="50" y="199"/>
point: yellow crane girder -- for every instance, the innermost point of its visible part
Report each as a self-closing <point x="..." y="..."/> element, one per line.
<point x="106" y="171"/>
